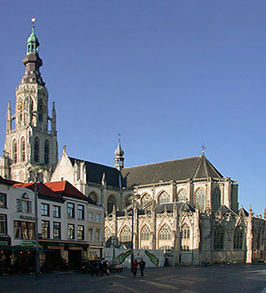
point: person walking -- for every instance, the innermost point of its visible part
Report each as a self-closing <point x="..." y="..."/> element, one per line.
<point x="135" y="267"/>
<point x="142" y="264"/>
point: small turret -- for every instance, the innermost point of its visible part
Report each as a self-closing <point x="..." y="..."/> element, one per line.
<point x="8" y="118"/>
<point x="53" y="119"/>
<point x="119" y="156"/>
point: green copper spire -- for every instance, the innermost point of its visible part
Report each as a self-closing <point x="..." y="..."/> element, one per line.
<point x="32" y="42"/>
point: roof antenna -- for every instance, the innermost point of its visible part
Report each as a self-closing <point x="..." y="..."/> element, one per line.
<point x="203" y="148"/>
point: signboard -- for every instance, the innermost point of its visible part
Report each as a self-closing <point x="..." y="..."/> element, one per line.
<point x="3" y="243"/>
<point x="28" y="242"/>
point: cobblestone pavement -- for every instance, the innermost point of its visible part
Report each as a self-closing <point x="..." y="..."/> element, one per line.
<point x="216" y="278"/>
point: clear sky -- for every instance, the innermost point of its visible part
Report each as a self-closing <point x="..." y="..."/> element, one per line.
<point x="168" y="75"/>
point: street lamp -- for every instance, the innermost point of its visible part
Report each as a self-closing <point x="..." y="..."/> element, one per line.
<point x="133" y="199"/>
<point x="37" y="254"/>
<point x="34" y="171"/>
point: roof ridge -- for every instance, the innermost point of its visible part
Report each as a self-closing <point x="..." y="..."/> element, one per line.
<point x="71" y="158"/>
<point x="163" y="162"/>
<point x="199" y="165"/>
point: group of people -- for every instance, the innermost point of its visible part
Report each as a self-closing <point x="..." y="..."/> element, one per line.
<point x="99" y="268"/>
<point x="141" y="265"/>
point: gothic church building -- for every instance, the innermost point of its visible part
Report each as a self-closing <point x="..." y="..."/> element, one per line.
<point x="186" y="206"/>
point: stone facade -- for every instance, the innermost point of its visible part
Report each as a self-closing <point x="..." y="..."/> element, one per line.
<point x="31" y="136"/>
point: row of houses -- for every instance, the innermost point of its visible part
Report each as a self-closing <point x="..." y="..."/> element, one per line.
<point x="70" y="225"/>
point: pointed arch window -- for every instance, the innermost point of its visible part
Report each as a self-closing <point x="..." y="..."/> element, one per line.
<point x="46" y="151"/>
<point x="146" y="198"/>
<point x="200" y="199"/>
<point x="216" y="199"/>
<point x="165" y="233"/>
<point x="182" y="195"/>
<point x="238" y="238"/>
<point x="23" y="149"/>
<point x="110" y="203"/>
<point x="145" y="233"/>
<point x="185" y="232"/>
<point x="40" y="111"/>
<point x="36" y="149"/>
<point x="163" y="198"/>
<point x="15" y="151"/>
<point x="125" y="234"/>
<point x="218" y="238"/>
<point x="93" y="196"/>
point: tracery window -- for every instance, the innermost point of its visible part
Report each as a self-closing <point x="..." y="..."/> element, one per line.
<point x="23" y="149"/>
<point x="182" y="195"/>
<point x="46" y="152"/>
<point x="15" y="151"/>
<point x="110" y="203"/>
<point x="216" y="199"/>
<point x="218" y="238"/>
<point x="185" y="232"/>
<point x="238" y="238"/>
<point x="200" y="199"/>
<point x="163" y="198"/>
<point x="93" y="196"/>
<point x="165" y="233"/>
<point x="145" y="233"/>
<point x="125" y="234"/>
<point x="146" y="198"/>
<point x="36" y="149"/>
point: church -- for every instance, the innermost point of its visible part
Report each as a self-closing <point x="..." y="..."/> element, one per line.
<point x="185" y="207"/>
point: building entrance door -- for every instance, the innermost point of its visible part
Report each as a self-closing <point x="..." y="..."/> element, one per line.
<point x="74" y="259"/>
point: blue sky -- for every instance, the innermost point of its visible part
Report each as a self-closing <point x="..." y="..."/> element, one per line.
<point x="168" y="75"/>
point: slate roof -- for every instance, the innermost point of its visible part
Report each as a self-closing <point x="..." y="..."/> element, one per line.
<point x="182" y="169"/>
<point x="224" y="210"/>
<point x="243" y="212"/>
<point x="7" y="181"/>
<point x="95" y="173"/>
<point x="195" y="167"/>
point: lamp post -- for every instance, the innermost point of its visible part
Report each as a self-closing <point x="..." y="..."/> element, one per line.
<point x="133" y="199"/>
<point x="34" y="172"/>
<point x="37" y="255"/>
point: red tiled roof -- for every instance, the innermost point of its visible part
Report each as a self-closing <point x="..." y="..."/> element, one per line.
<point x="65" y="188"/>
<point x="41" y="188"/>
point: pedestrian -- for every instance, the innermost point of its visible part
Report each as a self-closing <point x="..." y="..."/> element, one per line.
<point x="106" y="267"/>
<point x="142" y="264"/>
<point x="101" y="267"/>
<point x="179" y="261"/>
<point x="135" y="267"/>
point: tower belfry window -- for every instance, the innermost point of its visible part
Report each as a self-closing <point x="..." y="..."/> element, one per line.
<point x="15" y="151"/>
<point x="46" y="152"/>
<point x="36" y="149"/>
<point x="23" y="149"/>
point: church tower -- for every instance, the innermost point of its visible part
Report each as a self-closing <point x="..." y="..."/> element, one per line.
<point x="31" y="136"/>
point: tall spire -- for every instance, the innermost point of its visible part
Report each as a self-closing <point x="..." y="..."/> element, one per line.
<point x="32" y="60"/>
<point x="32" y="42"/>
<point x="119" y="153"/>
